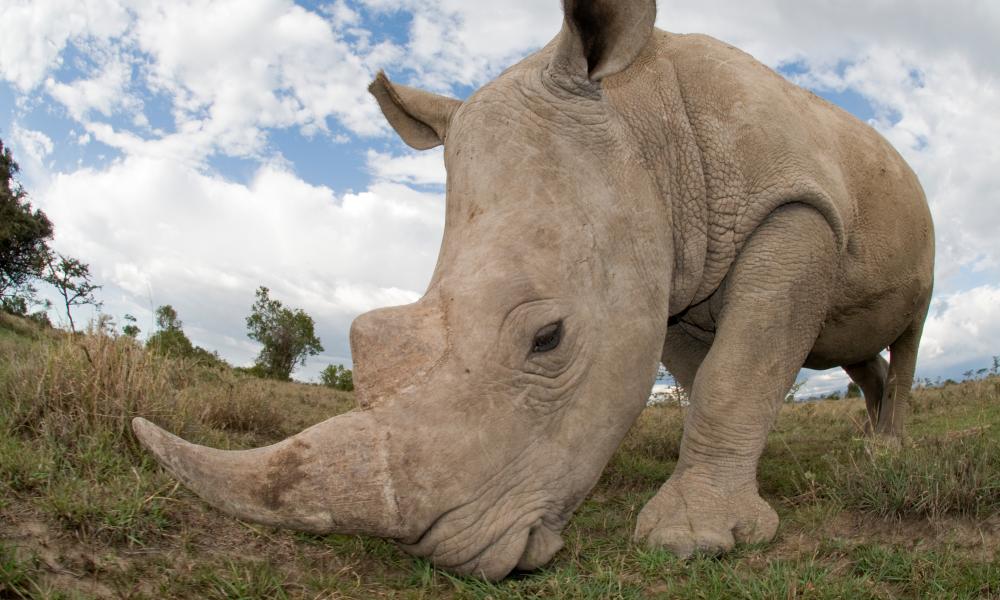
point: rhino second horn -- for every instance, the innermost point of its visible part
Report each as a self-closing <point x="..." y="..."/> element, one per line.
<point x="331" y="478"/>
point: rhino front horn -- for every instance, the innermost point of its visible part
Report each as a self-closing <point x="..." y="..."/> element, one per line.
<point x="330" y="478"/>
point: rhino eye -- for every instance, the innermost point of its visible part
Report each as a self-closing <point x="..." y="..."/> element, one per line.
<point x="547" y="338"/>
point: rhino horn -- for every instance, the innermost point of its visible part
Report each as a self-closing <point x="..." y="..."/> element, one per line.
<point x="330" y="478"/>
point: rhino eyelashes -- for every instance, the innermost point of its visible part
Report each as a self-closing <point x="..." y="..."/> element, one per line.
<point x="547" y="338"/>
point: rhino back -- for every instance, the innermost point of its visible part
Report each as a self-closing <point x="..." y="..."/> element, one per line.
<point x="765" y="142"/>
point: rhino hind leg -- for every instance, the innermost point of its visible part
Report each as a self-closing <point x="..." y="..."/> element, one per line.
<point x="902" y="364"/>
<point x="871" y="376"/>
<point x="772" y="310"/>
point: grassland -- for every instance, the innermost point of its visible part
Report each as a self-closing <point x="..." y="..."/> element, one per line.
<point x="84" y="513"/>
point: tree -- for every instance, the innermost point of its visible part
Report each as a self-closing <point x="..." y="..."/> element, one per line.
<point x="337" y="377"/>
<point x="130" y="329"/>
<point x="798" y="385"/>
<point x="288" y="336"/>
<point x="853" y="390"/>
<point x="24" y="234"/>
<point x="71" y="278"/>
<point x="170" y="339"/>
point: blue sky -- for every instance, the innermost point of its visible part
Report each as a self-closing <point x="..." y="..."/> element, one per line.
<point x="195" y="149"/>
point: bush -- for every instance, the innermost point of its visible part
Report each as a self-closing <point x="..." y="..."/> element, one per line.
<point x="338" y="378"/>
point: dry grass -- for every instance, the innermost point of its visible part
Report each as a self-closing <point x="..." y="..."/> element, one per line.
<point x="84" y="513"/>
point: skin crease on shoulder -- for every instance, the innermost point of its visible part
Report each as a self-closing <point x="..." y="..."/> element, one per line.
<point x="621" y="197"/>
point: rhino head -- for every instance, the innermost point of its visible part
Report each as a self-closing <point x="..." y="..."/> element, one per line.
<point x="489" y="408"/>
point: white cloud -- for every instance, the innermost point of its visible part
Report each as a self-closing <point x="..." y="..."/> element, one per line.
<point x="421" y="168"/>
<point x="822" y="383"/>
<point x="341" y="14"/>
<point x="229" y="70"/>
<point x="232" y="65"/>
<point x="35" y="144"/>
<point x="104" y="93"/>
<point x="962" y="327"/>
<point x="35" y="33"/>
<point x="158" y="232"/>
<point x="775" y="31"/>
<point x="458" y="42"/>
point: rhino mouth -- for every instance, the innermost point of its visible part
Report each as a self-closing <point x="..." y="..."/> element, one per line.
<point x="456" y="542"/>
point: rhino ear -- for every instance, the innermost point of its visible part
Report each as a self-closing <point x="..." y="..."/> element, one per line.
<point x="602" y="37"/>
<point x="419" y="117"/>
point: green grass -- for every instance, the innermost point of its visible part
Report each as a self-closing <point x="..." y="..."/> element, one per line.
<point x="929" y="479"/>
<point x="85" y="513"/>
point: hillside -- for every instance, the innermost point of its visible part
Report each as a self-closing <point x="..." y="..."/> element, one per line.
<point x="84" y="513"/>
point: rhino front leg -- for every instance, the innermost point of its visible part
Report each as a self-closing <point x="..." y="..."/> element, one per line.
<point x="774" y="302"/>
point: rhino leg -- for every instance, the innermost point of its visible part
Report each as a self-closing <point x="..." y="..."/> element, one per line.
<point x="773" y="305"/>
<point x="902" y="364"/>
<point x="871" y="375"/>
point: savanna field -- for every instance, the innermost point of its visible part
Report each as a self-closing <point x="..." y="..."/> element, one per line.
<point x="85" y="513"/>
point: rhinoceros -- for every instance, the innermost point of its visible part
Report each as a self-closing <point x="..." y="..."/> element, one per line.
<point x="622" y="197"/>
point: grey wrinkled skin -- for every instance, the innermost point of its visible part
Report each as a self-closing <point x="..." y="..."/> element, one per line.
<point x="662" y="197"/>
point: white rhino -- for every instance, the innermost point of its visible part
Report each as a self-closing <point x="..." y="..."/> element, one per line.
<point x="621" y="197"/>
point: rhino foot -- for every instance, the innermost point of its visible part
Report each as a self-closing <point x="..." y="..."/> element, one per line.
<point x="691" y="515"/>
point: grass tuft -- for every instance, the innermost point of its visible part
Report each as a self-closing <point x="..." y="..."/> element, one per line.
<point x="931" y="478"/>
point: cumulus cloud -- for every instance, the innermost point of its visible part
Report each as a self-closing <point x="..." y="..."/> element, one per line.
<point x="229" y="71"/>
<point x="159" y="232"/>
<point x="104" y="93"/>
<point x="454" y="42"/>
<point x="962" y="327"/>
<point x="822" y="383"/>
<point x="231" y="65"/>
<point x="421" y="168"/>
<point x="35" y="33"/>
<point x="35" y="144"/>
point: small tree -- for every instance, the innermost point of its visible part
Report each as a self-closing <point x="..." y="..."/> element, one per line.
<point x="338" y="378"/>
<point x="170" y="339"/>
<point x="288" y="336"/>
<point x="71" y="278"/>
<point x="798" y="385"/>
<point x="853" y="390"/>
<point x="104" y="324"/>
<point x="24" y="234"/>
<point x="130" y="329"/>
